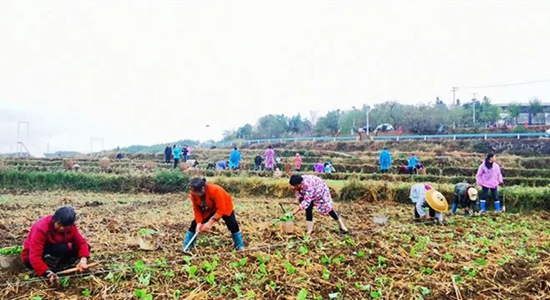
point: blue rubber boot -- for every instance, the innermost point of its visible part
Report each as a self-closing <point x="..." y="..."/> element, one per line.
<point x="483" y="204"/>
<point x="454" y="206"/>
<point x="497" y="206"/>
<point x="238" y="240"/>
<point x="188" y="237"/>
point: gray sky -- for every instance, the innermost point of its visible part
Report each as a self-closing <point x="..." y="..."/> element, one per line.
<point x="144" y="72"/>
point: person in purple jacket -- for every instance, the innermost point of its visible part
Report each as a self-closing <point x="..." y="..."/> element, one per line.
<point x="489" y="177"/>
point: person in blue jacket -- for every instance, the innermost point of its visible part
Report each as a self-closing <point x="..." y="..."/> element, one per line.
<point x="385" y="160"/>
<point x="177" y="152"/>
<point x="234" y="159"/>
<point x="413" y="160"/>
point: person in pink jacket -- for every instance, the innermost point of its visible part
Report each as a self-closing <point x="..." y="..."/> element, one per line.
<point x="489" y="177"/>
<point x="298" y="162"/>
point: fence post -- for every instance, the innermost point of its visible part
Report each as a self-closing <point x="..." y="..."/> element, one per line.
<point x="425" y="137"/>
<point x="281" y="141"/>
<point x="397" y="138"/>
<point x="454" y="137"/>
<point x="518" y="136"/>
<point x="295" y="140"/>
<point x="485" y="136"/>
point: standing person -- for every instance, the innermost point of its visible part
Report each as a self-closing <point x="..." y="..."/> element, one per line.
<point x="413" y="160"/>
<point x="298" y="162"/>
<point x="258" y="163"/>
<point x="54" y="243"/>
<point x="211" y="203"/>
<point x="489" y="177"/>
<point x="234" y="159"/>
<point x="167" y="154"/>
<point x="184" y="152"/>
<point x="312" y="191"/>
<point x="177" y="153"/>
<point x="465" y="196"/>
<point x="270" y="159"/>
<point x="385" y="160"/>
<point x="423" y="195"/>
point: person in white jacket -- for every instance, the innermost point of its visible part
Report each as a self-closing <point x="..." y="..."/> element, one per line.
<point x="423" y="195"/>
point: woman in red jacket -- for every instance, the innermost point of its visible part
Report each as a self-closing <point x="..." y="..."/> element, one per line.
<point x="54" y="243"/>
<point x="211" y="203"/>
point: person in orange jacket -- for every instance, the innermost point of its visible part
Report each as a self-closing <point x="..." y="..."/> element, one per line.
<point x="211" y="203"/>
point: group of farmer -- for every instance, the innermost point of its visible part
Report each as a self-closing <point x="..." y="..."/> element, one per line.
<point x="176" y="152"/>
<point x="488" y="177"/>
<point x="54" y="242"/>
<point x="413" y="166"/>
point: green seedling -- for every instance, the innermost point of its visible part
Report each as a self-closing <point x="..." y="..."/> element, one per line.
<point x="240" y="276"/>
<point x="86" y="293"/>
<point x="302" y="295"/>
<point x="147" y="231"/>
<point x="325" y="260"/>
<point x="177" y="294"/>
<point x="15" y="250"/>
<point x="424" y="290"/>
<point x="64" y="282"/>
<point x="302" y="250"/>
<point x="326" y="274"/>
<point x="143" y="295"/>
<point x="360" y="254"/>
<point x="290" y="269"/>
<point x="169" y="274"/>
<point x="211" y="279"/>
<point x="144" y="279"/>
<point x="448" y="257"/>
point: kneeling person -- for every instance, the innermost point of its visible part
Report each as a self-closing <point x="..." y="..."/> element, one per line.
<point x="423" y="196"/>
<point x="211" y="203"/>
<point x="54" y="243"/>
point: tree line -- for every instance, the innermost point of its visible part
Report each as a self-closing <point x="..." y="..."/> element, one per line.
<point x="436" y="117"/>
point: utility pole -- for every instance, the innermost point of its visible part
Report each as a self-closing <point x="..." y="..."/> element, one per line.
<point x="474" y="108"/>
<point x="454" y="89"/>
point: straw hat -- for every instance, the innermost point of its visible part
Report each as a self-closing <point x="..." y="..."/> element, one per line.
<point x="472" y="193"/>
<point x="437" y="201"/>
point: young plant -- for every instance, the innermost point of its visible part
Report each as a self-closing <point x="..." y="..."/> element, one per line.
<point x="302" y="250"/>
<point x="86" y="293"/>
<point x="211" y="279"/>
<point x="147" y="231"/>
<point x="15" y="250"/>
<point x="302" y="295"/>
<point x="326" y="274"/>
<point x="143" y="295"/>
<point x="290" y="269"/>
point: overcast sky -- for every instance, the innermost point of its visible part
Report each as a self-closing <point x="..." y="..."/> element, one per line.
<point x="145" y="72"/>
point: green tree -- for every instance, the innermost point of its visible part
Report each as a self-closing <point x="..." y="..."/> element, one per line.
<point x="535" y="107"/>
<point x="514" y="109"/>
<point x="298" y="126"/>
<point x="489" y="113"/>
<point x="272" y="126"/>
<point x="328" y="124"/>
<point x="245" y="132"/>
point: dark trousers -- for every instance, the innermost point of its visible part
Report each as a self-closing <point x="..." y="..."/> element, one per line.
<point x="309" y="213"/>
<point x="485" y="193"/>
<point x="184" y="158"/>
<point x="167" y="158"/>
<point x="58" y="256"/>
<point x="230" y="222"/>
<point x="431" y="213"/>
<point x="176" y="161"/>
<point x="383" y="171"/>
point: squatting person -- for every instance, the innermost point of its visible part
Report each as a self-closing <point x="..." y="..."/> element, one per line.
<point x="54" y="243"/>
<point x="423" y="195"/>
<point x="465" y="196"/>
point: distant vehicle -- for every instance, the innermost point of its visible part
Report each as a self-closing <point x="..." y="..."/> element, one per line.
<point x="384" y="127"/>
<point x="547" y="132"/>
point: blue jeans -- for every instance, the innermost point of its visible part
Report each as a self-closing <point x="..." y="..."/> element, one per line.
<point x="485" y="193"/>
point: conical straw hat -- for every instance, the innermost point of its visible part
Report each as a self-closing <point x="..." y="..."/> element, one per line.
<point x="437" y="201"/>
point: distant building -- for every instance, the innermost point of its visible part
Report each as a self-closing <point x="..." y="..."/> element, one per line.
<point x="542" y="118"/>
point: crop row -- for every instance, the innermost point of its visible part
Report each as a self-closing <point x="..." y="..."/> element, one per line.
<point x="516" y="197"/>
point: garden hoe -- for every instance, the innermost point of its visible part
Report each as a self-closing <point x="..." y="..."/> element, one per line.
<point x="190" y="241"/>
<point x="72" y="270"/>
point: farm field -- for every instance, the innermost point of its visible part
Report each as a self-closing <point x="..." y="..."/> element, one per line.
<point x="502" y="256"/>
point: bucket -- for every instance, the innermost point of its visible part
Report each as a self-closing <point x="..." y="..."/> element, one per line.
<point x="11" y="262"/>
<point x="149" y="241"/>
<point x="380" y="220"/>
<point x="287" y="227"/>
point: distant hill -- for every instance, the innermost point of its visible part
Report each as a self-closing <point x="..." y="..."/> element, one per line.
<point x="157" y="148"/>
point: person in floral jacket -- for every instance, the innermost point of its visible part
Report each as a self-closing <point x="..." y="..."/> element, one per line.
<point x="312" y="191"/>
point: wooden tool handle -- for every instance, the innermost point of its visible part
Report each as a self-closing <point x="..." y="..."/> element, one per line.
<point x="68" y="271"/>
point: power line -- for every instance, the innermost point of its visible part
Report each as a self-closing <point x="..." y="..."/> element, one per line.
<point x="505" y="84"/>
